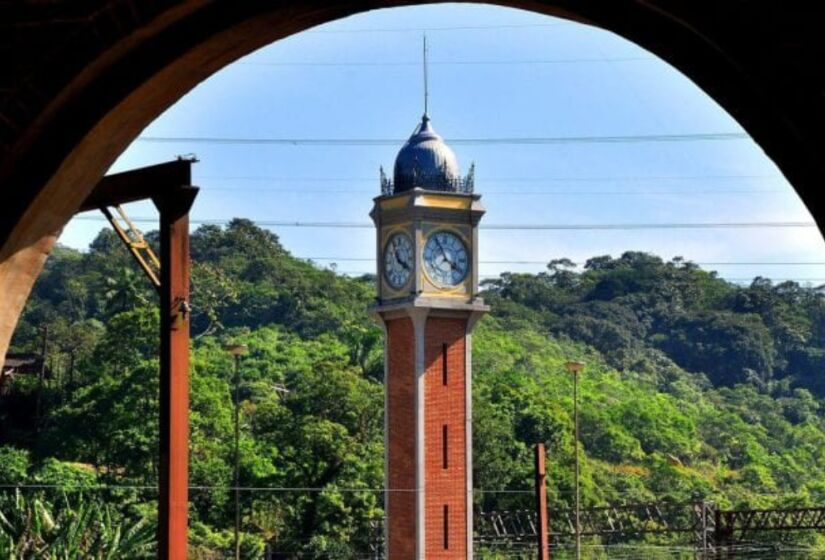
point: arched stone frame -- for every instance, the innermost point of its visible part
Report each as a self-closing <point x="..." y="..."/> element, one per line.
<point x="69" y="108"/>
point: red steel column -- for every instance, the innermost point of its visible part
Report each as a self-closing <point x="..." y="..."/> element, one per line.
<point x="173" y="503"/>
<point x="541" y="502"/>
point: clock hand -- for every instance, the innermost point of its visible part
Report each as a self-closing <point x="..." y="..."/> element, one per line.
<point x="440" y="246"/>
<point x="449" y="260"/>
<point x="444" y="253"/>
<point x="400" y="261"/>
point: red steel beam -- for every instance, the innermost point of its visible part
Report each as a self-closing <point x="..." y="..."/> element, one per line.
<point x="139" y="184"/>
<point x="169" y="186"/>
<point x="173" y="506"/>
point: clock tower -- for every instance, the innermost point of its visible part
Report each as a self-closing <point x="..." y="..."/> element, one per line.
<point x="427" y="279"/>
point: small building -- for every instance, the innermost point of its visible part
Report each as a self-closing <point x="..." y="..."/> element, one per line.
<point x="21" y="363"/>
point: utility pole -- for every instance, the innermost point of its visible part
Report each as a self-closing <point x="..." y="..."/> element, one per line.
<point x="237" y="350"/>
<point x="41" y="376"/>
<point x="574" y="368"/>
<point x="541" y="502"/>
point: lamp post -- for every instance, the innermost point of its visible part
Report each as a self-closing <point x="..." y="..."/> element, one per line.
<point x="574" y="368"/>
<point x="237" y="350"/>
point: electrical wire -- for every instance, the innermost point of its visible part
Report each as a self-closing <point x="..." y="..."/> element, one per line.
<point x="296" y="489"/>
<point x="544" y="262"/>
<point x="528" y="192"/>
<point x="546" y="140"/>
<point x="306" y="489"/>
<point x="519" y="179"/>
<point x="509" y="193"/>
<point x="511" y="227"/>
<point x="513" y="62"/>
<point x="731" y="280"/>
<point x="440" y="28"/>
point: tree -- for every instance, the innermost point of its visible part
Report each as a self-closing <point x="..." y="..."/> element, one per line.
<point x="729" y="348"/>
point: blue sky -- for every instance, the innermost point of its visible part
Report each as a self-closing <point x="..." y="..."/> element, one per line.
<point x="494" y="73"/>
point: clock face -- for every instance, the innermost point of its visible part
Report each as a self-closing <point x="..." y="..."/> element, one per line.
<point x="398" y="260"/>
<point x="445" y="258"/>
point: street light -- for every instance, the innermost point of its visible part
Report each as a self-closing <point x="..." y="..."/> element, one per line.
<point x="574" y="368"/>
<point x="237" y="350"/>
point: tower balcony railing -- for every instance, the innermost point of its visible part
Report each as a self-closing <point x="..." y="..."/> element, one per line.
<point x="430" y="182"/>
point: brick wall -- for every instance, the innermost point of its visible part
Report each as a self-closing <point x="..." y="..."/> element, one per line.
<point x="400" y="412"/>
<point x="445" y="406"/>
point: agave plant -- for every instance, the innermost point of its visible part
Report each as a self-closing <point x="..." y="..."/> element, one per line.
<point x="85" y="529"/>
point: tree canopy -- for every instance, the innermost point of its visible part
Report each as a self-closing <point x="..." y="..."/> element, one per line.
<point x="695" y="388"/>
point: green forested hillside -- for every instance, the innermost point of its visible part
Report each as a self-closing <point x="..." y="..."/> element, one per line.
<point x="694" y="389"/>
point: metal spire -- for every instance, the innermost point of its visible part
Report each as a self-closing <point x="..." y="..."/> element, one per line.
<point x="426" y="90"/>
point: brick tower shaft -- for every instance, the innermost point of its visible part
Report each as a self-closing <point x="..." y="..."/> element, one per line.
<point x="428" y="409"/>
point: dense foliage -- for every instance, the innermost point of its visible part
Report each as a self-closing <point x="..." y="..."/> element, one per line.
<point x="695" y="388"/>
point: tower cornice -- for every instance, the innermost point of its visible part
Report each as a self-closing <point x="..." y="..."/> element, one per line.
<point x="421" y="204"/>
<point x="437" y="307"/>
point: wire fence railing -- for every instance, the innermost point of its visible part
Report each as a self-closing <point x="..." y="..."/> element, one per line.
<point x="650" y="530"/>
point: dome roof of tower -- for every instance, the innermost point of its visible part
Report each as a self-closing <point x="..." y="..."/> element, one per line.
<point x="426" y="162"/>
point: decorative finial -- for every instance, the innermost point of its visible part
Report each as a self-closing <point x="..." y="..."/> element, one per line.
<point x="426" y="90"/>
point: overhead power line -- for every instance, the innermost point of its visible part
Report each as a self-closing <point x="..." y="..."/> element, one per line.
<point x="547" y="140"/>
<point x="544" y="262"/>
<point x="514" y="179"/>
<point x="732" y="280"/>
<point x="206" y="179"/>
<point x="398" y="63"/>
<point x="293" y="190"/>
<point x="522" y="227"/>
<point x="441" y="28"/>
<point x="776" y="279"/>
<point x="687" y="225"/>
<point x="745" y="263"/>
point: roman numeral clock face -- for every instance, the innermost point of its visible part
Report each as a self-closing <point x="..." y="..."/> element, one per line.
<point x="445" y="259"/>
<point x="398" y="260"/>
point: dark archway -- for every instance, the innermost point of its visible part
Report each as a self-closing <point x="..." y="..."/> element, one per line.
<point x="85" y="77"/>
